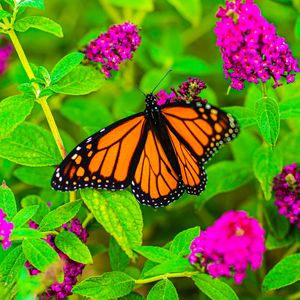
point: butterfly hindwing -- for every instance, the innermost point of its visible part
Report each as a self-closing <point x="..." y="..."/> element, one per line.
<point x="106" y="159"/>
<point x="193" y="174"/>
<point x="155" y="181"/>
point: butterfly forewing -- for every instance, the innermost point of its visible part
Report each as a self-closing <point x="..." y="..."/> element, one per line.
<point x="107" y="159"/>
<point x="202" y="128"/>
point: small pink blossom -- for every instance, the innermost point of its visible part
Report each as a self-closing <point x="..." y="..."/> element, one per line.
<point x="5" y="230"/>
<point x="287" y="192"/>
<point x="227" y="247"/>
<point x="250" y="48"/>
<point x="111" y="48"/>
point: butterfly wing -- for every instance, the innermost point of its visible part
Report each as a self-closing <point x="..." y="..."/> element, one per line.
<point x="106" y="159"/>
<point x="196" y="132"/>
<point x="157" y="180"/>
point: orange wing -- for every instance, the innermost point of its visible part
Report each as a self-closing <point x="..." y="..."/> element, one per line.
<point x="196" y="132"/>
<point x="202" y="128"/>
<point x="156" y="181"/>
<point x="106" y="159"/>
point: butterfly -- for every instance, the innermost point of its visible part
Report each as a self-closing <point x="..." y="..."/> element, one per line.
<point x="159" y="152"/>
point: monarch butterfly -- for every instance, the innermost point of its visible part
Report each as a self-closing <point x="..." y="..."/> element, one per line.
<point x="160" y="152"/>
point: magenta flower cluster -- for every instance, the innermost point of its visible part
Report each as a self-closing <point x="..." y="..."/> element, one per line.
<point x="232" y="243"/>
<point x="286" y="186"/>
<point x="111" y="48"/>
<point x="5" y="230"/>
<point x="5" y="53"/>
<point x="188" y="91"/>
<point x="250" y="48"/>
<point x="72" y="269"/>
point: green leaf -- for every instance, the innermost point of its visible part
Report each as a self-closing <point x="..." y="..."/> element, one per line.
<point x="279" y="225"/>
<point x="118" y="259"/>
<point x="239" y="174"/>
<point x="190" y="10"/>
<point x="71" y="245"/>
<point x="267" y="116"/>
<point x="81" y="80"/>
<point x="24" y="215"/>
<point x="243" y="115"/>
<point x="43" y="209"/>
<point x="39" y="253"/>
<point x="4" y="14"/>
<point x="65" y="66"/>
<point x="146" y="5"/>
<point x="13" y="111"/>
<point x="108" y="286"/>
<point x="163" y="290"/>
<point x="267" y="164"/>
<point x="30" y="145"/>
<point x="7" y="201"/>
<point x="290" y="108"/>
<point x="284" y="273"/>
<point x="156" y="254"/>
<point x="26" y="233"/>
<point x="39" y="22"/>
<point x="273" y="242"/>
<point x="87" y="113"/>
<point x="11" y="265"/>
<point x="214" y="288"/>
<point x="60" y="215"/>
<point x="119" y="214"/>
<point x="35" y="176"/>
<point x="170" y="266"/>
<point x="182" y="241"/>
<point x="132" y="296"/>
<point x="31" y="3"/>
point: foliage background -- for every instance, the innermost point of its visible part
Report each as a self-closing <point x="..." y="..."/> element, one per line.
<point x="177" y="35"/>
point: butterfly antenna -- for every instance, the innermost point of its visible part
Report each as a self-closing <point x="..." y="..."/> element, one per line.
<point x="141" y="91"/>
<point x="161" y="80"/>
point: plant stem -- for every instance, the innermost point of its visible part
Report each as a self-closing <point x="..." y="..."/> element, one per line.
<point x="52" y="125"/>
<point x="165" y="276"/>
<point x="295" y="296"/>
<point x="43" y="100"/>
<point x="88" y="218"/>
<point x="264" y="89"/>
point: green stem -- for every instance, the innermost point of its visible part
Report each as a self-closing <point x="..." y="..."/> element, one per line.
<point x="51" y="232"/>
<point x="295" y="296"/>
<point x="264" y="89"/>
<point x="88" y="218"/>
<point x="43" y="100"/>
<point x="165" y="276"/>
<point x="291" y="250"/>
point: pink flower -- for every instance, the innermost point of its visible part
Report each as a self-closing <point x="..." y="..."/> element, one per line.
<point x="111" y="48"/>
<point x="187" y="91"/>
<point x="232" y="243"/>
<point x="5" y="53"/>
<point x="72" y="269"/>
<point x="250" y="48"/>
<point x="287" y="192"/>
<point x="5" y="230"/>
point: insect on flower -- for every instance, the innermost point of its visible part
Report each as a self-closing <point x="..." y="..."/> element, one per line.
<point x="160" y="152"/>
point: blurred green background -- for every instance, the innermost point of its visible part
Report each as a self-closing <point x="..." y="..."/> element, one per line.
<point x="175" y="34"/>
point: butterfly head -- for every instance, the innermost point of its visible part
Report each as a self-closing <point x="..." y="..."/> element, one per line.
<point x="150" y="100"/>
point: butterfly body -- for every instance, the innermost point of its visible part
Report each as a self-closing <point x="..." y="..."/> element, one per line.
<point x="160" y="152"/>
